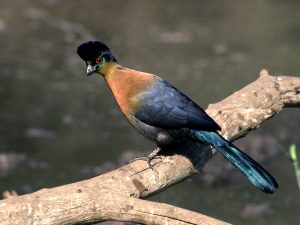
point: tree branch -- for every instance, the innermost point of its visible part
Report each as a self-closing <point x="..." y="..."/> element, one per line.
<point x="115" y="195"/>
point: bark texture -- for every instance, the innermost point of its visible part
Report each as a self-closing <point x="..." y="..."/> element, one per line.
<point x="117" y="195"/>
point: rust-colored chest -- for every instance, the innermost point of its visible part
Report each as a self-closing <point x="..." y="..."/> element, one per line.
<point x="126" y="85"/>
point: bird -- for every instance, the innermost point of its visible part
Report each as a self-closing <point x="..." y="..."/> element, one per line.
<point x="163" y="114"/>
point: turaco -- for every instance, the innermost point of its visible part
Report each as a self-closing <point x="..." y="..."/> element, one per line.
<point x="163" y="114"/>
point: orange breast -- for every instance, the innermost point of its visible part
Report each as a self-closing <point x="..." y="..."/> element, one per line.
<point x="125" y="85"/>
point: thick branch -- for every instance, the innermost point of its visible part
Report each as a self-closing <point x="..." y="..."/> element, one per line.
<point x="114" y="195"/>
<point x="248" y="108"/>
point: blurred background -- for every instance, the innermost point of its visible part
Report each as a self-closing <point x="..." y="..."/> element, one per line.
<point x="57" y="126"/>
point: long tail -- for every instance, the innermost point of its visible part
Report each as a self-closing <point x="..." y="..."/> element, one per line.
<point x="257" y="175"/>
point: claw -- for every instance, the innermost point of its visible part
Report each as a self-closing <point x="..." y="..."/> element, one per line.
<point x="147" y="157"/>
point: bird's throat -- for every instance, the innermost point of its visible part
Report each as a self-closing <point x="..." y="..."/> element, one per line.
<point x="109" y="68"/>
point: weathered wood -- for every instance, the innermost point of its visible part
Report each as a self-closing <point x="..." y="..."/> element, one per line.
<point x="116" y="195"/>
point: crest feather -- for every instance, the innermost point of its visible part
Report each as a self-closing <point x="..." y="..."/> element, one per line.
<point x="90" y="50"/>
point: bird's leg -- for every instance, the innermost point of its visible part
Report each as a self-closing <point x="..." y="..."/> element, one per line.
<point x="147" y="157"/>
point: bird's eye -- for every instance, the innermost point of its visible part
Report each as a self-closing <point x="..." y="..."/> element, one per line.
<point x="99" y="60"/>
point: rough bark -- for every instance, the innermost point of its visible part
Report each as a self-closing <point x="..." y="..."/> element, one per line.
<point x="116" y="195"/>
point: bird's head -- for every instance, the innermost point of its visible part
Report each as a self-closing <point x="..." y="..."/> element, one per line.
<point x="96" y="55"/>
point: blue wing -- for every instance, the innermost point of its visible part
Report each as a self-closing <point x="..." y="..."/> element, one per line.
<point x="162" y="105"/>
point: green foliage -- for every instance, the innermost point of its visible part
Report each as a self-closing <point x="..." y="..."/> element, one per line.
<point x="293" y="156"/>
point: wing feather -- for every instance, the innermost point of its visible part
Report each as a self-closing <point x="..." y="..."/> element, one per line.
<point x="164" y="106"/>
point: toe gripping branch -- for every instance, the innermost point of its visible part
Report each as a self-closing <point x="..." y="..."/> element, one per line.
<point x="147" y="157"/>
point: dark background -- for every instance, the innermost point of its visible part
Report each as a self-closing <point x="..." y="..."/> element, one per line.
<point x="57" y="126"/>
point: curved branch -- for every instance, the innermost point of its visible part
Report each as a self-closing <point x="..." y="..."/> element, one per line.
<point x="248" y="108"/>
<point x="74" y="204"/>
<point x="114" y="195"/>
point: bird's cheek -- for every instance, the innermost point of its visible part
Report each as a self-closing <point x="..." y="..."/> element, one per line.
<point x="100" y="70"/>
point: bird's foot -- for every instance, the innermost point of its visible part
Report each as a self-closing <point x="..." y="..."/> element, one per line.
<point x="147" y="157"/>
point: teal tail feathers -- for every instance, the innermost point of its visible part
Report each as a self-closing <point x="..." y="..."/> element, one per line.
<point x="257" y="175"/>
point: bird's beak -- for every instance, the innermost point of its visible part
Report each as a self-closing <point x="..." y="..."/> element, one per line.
<point x="90" y="70"/>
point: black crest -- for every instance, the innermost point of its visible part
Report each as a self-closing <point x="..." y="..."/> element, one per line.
<point x="90" y="50"/>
